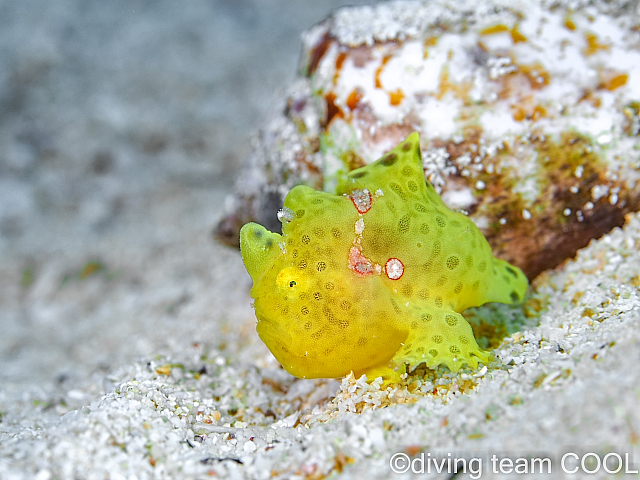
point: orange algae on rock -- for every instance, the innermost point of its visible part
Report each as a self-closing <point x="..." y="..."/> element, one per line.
<point x="395" y="98"/>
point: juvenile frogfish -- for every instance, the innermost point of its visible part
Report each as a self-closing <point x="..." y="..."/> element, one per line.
<point x="373" y="280"/>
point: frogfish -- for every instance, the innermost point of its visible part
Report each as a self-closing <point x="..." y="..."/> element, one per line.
<point x="372" y="280"/>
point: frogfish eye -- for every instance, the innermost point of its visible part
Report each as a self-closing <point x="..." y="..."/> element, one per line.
<point x="292" y="283"/>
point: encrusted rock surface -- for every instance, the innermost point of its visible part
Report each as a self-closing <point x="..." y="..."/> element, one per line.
<point x="527" y="111"/>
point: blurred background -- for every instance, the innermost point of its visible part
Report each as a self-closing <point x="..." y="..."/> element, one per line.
<point x="100" y="101"/>
<point x="122" y="127"/>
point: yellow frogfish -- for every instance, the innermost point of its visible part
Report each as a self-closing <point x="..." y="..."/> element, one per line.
<point x="373" y="280"/>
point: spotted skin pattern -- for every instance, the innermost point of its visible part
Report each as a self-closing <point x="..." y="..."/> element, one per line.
<point x="373" y="279"/>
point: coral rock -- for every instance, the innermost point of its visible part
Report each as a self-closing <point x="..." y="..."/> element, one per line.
<point x="529" y="117"/>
